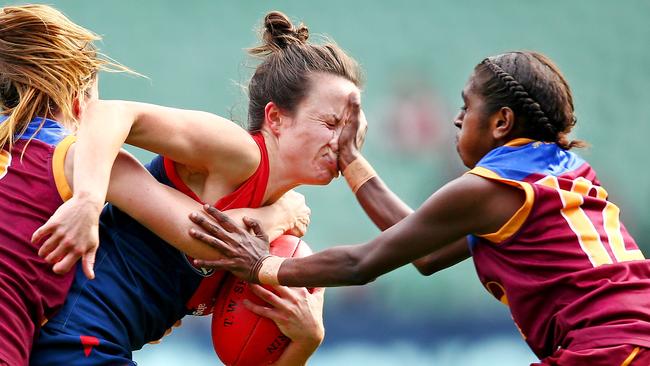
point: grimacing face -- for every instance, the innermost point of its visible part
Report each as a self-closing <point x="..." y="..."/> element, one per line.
<point x="313" y="129"/>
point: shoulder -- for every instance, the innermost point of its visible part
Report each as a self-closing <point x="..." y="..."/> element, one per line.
<point x="487" y="202"/>
<point x="243" y="160"/>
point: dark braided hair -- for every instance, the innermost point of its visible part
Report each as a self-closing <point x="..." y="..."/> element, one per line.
<point x="535" y="89"/>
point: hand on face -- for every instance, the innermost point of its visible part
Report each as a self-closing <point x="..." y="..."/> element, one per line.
<point x="353" y="134"/>
<point x="297" y="312"/>
<point x="73" y="233"/>
<point x="242" y="251"/>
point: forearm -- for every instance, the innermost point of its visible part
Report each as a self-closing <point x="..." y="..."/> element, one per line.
<point x="381" y="205"/>
<point x="442" y="258"/>
<point x="165" y="211"/>
<point x="386" y="209"/>
<point x="337" y="266"/>
<point x="430" y="229"/>
<point x="99" y="138"/>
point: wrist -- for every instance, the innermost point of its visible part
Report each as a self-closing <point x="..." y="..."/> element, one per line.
<point x="358" y="172"/>
<point x="310" y="343"/>
<point x="90" y="198"/>
<point x="267" y="269"/>
<point x="347" y="156"/>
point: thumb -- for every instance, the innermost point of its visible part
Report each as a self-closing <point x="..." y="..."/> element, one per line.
<point x="88" y="263"/>
<point x="255" y="226"/>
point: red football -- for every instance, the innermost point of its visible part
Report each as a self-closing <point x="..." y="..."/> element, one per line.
<point x="240" y="337"/>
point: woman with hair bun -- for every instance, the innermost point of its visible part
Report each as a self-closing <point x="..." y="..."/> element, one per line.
<point x="48" y="81"/>
<point x="545" y="239"/>
<point x="298" y="96"/>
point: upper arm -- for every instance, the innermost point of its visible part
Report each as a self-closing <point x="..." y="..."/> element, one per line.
<point x="198" y="139"/>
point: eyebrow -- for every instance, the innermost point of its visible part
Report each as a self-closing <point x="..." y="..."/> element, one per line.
<point x="462" y="94"/>
<point x="332" y="116"/>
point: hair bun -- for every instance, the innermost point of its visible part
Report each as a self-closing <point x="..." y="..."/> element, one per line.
<point x="279" y="32"/>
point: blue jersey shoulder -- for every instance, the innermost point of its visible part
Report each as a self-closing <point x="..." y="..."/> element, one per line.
<point x="519" y="162"/>
<point x="45" y="130"/>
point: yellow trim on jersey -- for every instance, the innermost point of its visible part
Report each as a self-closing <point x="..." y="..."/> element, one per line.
<point x="519" y="142"/>
<point x="631" y="357"/>
<point x="518" y="218"/>
<point x="58" y="167"/>
<point x="5" y="162"/>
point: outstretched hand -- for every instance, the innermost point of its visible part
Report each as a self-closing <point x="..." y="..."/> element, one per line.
<point x="242" y="251"/>
<point x="353" y="134"/>
<point x="72" y="233"/>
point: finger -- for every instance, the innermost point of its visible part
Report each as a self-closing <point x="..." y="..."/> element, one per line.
<point x="267" y="295"/>
<point x="222" y="219"/>
<point x="216" y="243"/>
<point x="88" y="263"/>
<point x="219" y="265"/>
<point x="64" y="265"/>
<point x="255" y="226"/>
<point x="296" y="231"/>
<point x="260" y="310"/>
<point x="50" y="244"/>
<point x="42" y="232"/>
<point x="354" y="101"/>
<point x="208" y="226"/>
<point x="59" y="252"/>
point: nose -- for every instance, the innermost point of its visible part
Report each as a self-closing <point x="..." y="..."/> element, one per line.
<point x="458" y="120"/>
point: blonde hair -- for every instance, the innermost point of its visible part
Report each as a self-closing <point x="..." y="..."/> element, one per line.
<point x="46" y="61"/>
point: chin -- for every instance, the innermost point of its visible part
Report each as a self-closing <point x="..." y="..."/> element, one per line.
<point x="324" y="179"/>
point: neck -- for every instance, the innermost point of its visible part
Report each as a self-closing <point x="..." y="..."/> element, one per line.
<point x="281" y="179"/>
<point x="58" y="116"/>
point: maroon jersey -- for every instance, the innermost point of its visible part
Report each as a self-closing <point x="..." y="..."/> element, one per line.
<point x="32" y="187"/>
<point x="565" y="265"/>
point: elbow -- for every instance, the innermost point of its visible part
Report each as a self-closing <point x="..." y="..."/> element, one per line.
<point x="359" y="278"/>
<point x="358" y="274"/>
<point x="427" y="271"/>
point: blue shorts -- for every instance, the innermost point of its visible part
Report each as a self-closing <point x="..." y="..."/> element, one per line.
<point x="57" y="347"/>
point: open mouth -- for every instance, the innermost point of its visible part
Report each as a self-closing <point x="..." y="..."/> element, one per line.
<point x="331" y="161"/>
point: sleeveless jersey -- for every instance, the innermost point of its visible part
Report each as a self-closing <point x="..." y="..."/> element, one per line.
<point x="565" y="265"/>
<point x="32" y="187"/>
<point x="142" y="283"/>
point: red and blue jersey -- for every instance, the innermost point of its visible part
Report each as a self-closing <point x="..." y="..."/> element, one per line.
<point x="564" y="263"/>
<point x="143" y="285"/>
<point x="32" y="187"/>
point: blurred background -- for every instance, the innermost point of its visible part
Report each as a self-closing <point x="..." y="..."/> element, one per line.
<point x="416" y="55"/>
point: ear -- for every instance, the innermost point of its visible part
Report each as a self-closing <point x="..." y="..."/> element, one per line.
<point x="273" y="118"/>
<point x="503" y="123"/>
<point x="78" y="107"/>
